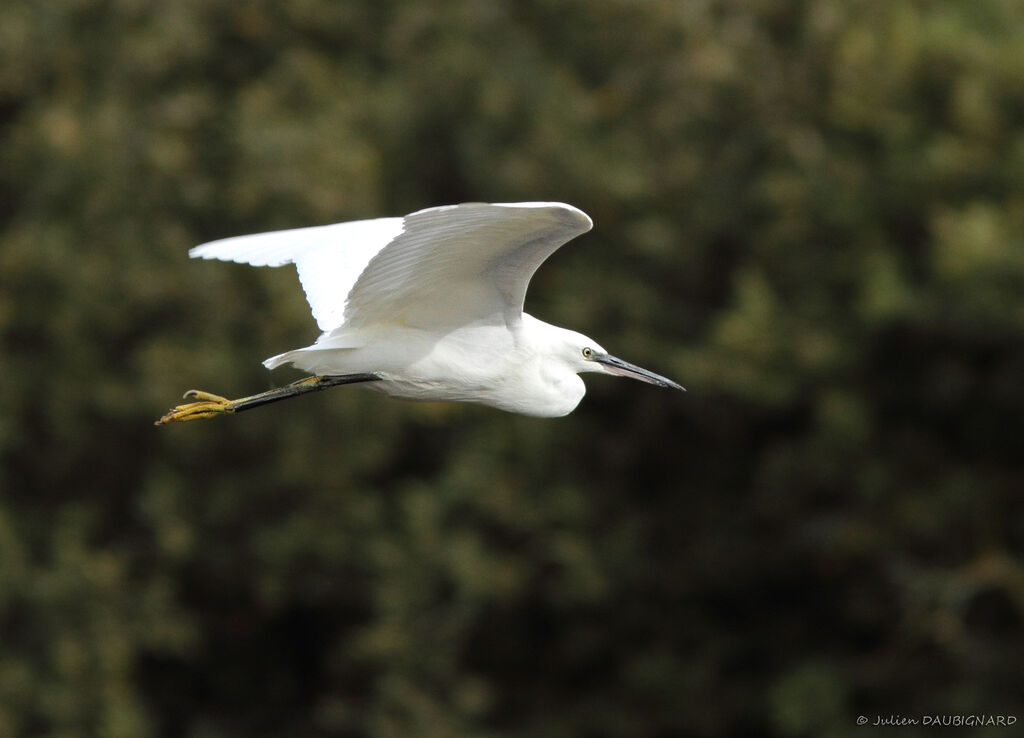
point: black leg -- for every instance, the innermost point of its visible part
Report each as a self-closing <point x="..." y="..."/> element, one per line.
<point x="208" y="405"/>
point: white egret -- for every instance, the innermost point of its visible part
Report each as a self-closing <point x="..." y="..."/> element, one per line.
<point x="428" y="307"/>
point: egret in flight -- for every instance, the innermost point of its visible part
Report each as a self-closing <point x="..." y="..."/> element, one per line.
<point x="428" y="307"/>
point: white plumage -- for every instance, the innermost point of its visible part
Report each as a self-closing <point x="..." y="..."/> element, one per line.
<point x="431" y="304"/>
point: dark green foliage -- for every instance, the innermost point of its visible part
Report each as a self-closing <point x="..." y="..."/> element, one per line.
<point x="809" y="213"/>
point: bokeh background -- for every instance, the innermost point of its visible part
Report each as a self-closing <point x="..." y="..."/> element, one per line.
<point x="809" y="213"/>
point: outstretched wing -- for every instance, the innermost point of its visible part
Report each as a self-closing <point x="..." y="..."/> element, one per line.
<point x="436" y="268"/>
<point x="329" y="259"/>
<point x="459" y="264"/>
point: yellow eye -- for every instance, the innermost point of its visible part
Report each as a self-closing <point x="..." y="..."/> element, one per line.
<point x="588" y="352"/>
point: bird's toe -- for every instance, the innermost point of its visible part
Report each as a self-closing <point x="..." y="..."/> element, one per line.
<point x="207" y="406"/>
<point x="194" y="394"/>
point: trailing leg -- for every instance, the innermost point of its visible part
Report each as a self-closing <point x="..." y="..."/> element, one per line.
<point x="208" y="405"/>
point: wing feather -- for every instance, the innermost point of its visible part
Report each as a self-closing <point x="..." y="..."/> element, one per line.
<point x="459" y="264"/>
<point x="328" y="259"/>
<point x="439" y="267"/>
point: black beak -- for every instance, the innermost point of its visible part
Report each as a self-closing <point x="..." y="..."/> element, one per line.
<point x="625" y="369"/>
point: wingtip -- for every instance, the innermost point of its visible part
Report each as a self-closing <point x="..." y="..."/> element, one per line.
<point x="574" y="213"/>
<point x="209" y="250"/>
<point x="585" y="220"/>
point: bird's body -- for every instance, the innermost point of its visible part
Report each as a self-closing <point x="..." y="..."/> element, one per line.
<point x="429" y="307"/>
<point x="494" y="365"/>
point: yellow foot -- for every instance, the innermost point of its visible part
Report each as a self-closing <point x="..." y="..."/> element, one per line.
<point x="208" y="406"/>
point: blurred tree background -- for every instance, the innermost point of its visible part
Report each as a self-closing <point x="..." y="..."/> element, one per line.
<point x="810" y="213"/>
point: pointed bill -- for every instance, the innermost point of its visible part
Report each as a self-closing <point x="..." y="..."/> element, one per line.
<point x="615" y="365"/>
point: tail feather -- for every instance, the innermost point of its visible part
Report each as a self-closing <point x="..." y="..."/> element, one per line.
<point x="320" y="358"/>
<point x="281" y="359"/>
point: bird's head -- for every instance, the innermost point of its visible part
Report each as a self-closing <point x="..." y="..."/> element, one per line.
<point x="586" y="355"/>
